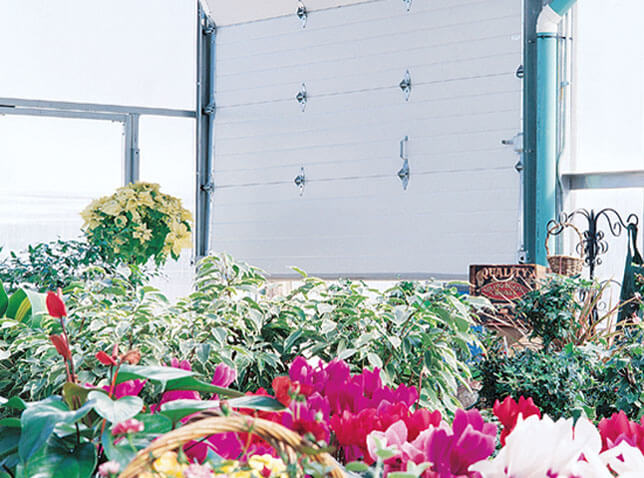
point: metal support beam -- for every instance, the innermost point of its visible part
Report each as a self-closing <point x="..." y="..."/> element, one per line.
<point x="60" y="106"/>
<point x="45" y="113"/>
<point x="131" y="152"/>
<point x="604" y="180"/>
<point x="206" y="35"/>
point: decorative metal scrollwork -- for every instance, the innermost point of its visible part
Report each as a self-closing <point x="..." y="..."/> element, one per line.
<point x="594" y="243"/>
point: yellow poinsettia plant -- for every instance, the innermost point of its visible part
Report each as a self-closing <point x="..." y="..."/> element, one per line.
<point x="138" y="222"/>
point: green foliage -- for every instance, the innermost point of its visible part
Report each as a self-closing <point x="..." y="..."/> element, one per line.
<point x="551" y="310"/>
<point x="50" y="439"/>
<point x="412" y="331"/>
<point x="583" y="365"/>
<point x="47" y="266"/>
<point x="591" y="378"/>
<point x="558" y="382"/>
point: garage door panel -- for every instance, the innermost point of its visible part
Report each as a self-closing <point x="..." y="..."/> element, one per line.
<point x="346" y="83"/>
<point x="299" y="60"/>
<point x="359" y="23"/>
<point x="446" y="119"/>
<point x="353" y="215"/>
<point x="454" y="186"/>
<point x="473" y="89"/>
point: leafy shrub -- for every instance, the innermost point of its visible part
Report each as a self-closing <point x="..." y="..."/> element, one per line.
<point x="558" y="382"/>
<point x="410" y="331"/>
<point x="47" y="266"/>
<point x="551" y="310"/>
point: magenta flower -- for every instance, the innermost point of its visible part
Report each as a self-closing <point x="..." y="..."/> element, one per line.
<point x="453" y="451"/>
<point x="128" y="426"/>
<point x="128" y="388"/>
<point x="224" y="376"/>
<point x="177" y="394"/>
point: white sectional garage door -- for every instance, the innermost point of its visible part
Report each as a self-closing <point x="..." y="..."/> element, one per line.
<point x="352" y="217"/>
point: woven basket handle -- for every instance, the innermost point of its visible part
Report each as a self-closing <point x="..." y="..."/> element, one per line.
<point x="562" y="226"/>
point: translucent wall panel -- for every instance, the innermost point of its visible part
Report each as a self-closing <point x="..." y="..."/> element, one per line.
<point x="609" y="85"/>
<point x="50" y="170"/>
<point x="168" y="158"/>
<point x="107" y="51"/>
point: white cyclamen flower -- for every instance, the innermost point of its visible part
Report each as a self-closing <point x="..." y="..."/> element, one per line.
<point x="540" y="448"/>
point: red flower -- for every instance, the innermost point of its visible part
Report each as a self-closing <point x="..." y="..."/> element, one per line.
<point x="619" y="428"/>
<point x="285" y="389"/>
<point x="421" y="420"/>
<point x="61" y="346"/>
<point x="105" y="359"/>
<point x="55" y="304"/>
<point x="282" y="387"/>
<point x="508" y="413"/>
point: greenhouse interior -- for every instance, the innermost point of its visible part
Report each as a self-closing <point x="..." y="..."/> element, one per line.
<point x="310" y="238"/>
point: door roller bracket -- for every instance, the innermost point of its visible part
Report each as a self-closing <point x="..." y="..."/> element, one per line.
<point x="404" y="172"/>
<point x="302" y="97"/>
<point x="302" y="13"/>
<point x="405" y="85"/>
<point x="300" y="180"/>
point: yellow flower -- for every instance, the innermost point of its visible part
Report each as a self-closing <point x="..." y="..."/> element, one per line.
<point x="241" y="474"/>
<point x="142" y="233"/>
<point x="120" y="221"/>
<point x="168" y="465"/>
<point x="111" y="208"/>
<point x="145" y="199"/>
<point x="275" y="465"/>
<point x="178" y="238"/>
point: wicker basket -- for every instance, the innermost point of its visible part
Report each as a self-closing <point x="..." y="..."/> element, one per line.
<point x="280" y="438"/>
<point x="561" y="264"/>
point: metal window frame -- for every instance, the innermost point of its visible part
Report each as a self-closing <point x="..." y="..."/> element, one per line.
<point x="129" y="117"/>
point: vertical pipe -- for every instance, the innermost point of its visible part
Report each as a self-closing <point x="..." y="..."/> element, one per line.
<point x="546" y="176"/>
<point x="547" y="124"/>
<point x="205" y="108"/>
<point x="531" y="12"/>
<point x="131" y="152"/>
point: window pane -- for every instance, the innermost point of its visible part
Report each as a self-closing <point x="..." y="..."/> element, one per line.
<point x="610" y="85"/>
<point x="106" y="51"/>
<point x="168" y="158"/>
<point x="51" y="169"/>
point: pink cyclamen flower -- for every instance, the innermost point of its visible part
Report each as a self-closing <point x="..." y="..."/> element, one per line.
<point x="224" y="376"/>
<point x="108" y="469"/>
<point x="198" y="471"/>
<point x="128" y="426"/>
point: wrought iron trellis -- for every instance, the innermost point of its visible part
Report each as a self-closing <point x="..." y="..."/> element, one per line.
<point x="594" y="242"/>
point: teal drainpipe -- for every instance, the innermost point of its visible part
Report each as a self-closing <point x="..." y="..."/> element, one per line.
<point x="547" y="87"/>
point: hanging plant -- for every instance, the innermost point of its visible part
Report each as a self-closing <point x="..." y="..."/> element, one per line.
<point x="136" y="223"/>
